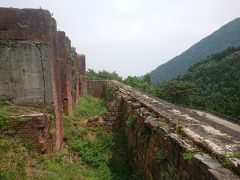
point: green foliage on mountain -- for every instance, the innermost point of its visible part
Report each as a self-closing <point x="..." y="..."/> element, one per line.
<point x="226" y="36"/>
<point x="104" y="75"/>
<point x="144" y="84"/>
<point x="213" y="84"/>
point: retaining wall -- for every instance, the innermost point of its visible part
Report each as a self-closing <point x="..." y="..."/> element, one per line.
<point x="158" y="146"/>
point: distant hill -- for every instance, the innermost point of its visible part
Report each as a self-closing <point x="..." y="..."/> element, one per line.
<point x="226" y="36"/>
<point x="213" y="83"/>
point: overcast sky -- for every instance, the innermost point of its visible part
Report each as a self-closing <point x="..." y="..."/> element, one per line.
<point x="132" y="37"/>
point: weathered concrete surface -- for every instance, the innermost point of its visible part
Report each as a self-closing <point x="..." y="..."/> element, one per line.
<point x="24" y="72"/>
<point x="37" y="63"/>
<point x="219" y="120"/>
<point x="184" y="141"/>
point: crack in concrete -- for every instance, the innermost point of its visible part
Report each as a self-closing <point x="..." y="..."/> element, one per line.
<point x="43" y="74"/>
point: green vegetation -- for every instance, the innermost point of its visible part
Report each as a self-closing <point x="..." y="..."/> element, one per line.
<point x="188" y="156"/>
<point x="236" y="155"/>
<point x="225" y="163"/>
<point x="141" y="84"/>
<point x="120" y="162"/>
<point x="212" y="84"/>
<point x="129" y="121"/>
<point x="159" y="154"/>
<point x="178" y="92"/>
<point x="91" y="74"/>
<point x="90" y="106"/>
<point x="13" y="158"/>
<point x="89" y="153"/>
<point x="145" y="135"/>
<point x="226" y="36"/>
<point x="4" y="100"/>
<point x="112" y="93"/>
<point x="172" y="171"/>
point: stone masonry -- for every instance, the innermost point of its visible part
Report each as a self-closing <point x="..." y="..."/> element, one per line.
<point x="160" y="142"/>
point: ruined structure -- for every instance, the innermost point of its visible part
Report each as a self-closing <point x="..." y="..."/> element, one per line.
<point x="38" y="64"/>
<point x="166" y="141"/>
<point x="39" y="67"/>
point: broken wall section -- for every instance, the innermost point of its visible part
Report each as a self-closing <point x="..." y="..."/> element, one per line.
<point x="34" y="130"/>
<point x="34" y="63"/>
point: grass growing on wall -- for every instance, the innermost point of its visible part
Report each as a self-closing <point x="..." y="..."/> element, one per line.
<point x="90" y="106"/>
<point x="88" y="152"/>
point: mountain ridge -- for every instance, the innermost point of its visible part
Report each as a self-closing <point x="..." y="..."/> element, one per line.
<point x="212" y="84"/>
<point x="226" y="36"/>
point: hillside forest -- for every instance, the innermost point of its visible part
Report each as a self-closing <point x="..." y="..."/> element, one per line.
<point x="211" y="85"/>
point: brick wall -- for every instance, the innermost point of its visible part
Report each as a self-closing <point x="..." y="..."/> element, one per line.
<point x="82" y="74"/>
<point x="37" y="63"/>
<point x="25" y="24"/>
<point x="96" y="88"/>
<point x="64" y="72"/>
<point x="33" y="129"/>
<point x="56" y="87"/>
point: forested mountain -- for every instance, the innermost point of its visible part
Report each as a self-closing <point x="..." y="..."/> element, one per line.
<point x="213" y="83"/>
<point x="226" y="36"/>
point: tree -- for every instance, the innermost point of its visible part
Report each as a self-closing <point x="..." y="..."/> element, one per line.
<point x="147" y="78"/>
<point x="179" y="92"/>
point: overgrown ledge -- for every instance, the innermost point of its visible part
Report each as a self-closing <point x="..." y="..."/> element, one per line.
<point x="166" y="141"/>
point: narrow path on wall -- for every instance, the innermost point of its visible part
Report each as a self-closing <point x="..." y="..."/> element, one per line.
<point x="218" y="135"/>
<point x="221" y="121"/>
<point x="214" y="121"/>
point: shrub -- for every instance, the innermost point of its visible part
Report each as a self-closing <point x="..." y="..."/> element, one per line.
<point x="4" y="100"/>
<point x="159" y="154"/>
<point x="129" y="121"/>
<point x="188" y="156"/>
<point x="90" y="106"/>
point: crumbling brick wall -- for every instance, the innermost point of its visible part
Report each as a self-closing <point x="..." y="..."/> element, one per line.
<point x="34" y="130"/>
<point x="157" y="147"/>
<point x="34" y="63"/>
<point x="96" y="88"/>
<point x="25" y="24"/>
<point x="63" y="42"/>
<point x="82" y="74"/>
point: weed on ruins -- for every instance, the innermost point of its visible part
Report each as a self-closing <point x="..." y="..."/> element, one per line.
<point x="88" y="153"/>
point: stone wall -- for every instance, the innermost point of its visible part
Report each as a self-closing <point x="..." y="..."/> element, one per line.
<point x="38" y="64"/>
<point x="156" y="141"/>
